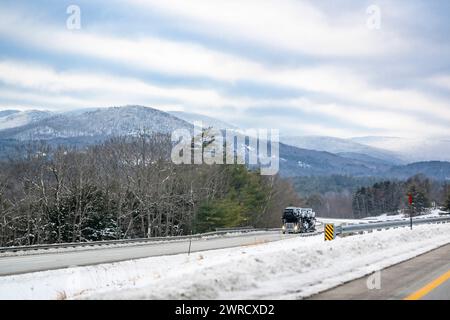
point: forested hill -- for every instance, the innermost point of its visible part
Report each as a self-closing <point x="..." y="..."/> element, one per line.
<point x="88" y="127"/>
<point x="434" y="169"/>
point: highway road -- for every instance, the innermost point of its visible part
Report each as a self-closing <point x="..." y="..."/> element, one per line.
<point x="422" y="278"/>
<point x="55" y="260"/>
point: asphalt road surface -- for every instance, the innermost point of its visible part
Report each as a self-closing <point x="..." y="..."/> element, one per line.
<point x="422" y="278"/>
<point x="56" y="260"/>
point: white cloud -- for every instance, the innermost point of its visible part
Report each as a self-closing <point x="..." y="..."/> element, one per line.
<point x="47" y="81"/>
<point x="149" y="53"/>
<point x="344" y="84"/>
<point x="179" y="58"/>
<point x="285" y="24"/>
<point x="288" y="25"/>
<point x="388" y="122"/>
<point x="441" y="81"/>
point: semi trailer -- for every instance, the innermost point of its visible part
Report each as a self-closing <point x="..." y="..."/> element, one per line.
<point x="298" y="220"/>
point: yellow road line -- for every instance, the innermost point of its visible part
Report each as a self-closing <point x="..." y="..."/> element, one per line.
<point x="429" y="287"/>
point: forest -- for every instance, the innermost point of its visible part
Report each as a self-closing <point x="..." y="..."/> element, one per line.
<point x="340" y="196"/>
<point x="127" y="187"/>
<point x="331" y="195"/>
<point x="391" y="196"/>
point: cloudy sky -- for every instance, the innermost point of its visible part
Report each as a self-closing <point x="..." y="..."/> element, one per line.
<point x="316" y="68"/>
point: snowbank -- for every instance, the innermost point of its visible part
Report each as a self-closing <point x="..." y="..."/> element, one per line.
<point x="286" y="269"/>
<point x="429" y="213"/>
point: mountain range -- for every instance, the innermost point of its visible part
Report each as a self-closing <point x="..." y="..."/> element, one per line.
<point x="410" y="149"/>
<point x="299" y="156"/>
<point x="343" y="147"/>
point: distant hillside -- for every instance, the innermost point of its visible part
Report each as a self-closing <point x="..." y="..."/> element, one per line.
<point x="206" y="121"/>
<point x="439" y="170"/>
<point x="5" y="113"/>
<point x="303" y="162"/>
<point x="340" y="146"/>
<point x="15" y="118"/>
<point x="410" y="149"/>
<point x="105" y="122"/>
<point x="90" y="126"/>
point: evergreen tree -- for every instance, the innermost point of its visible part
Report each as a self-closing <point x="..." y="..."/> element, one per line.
<point x="420" y="200"/>
<point x="447" y="202"/>
<point x="223" y="213"/>
<point x="243" y="204"/>
<point x="380" y="198"/>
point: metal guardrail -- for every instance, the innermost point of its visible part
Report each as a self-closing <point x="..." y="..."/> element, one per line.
<point x="218" y="232"/>
<point x="235" y="229"/>
<point x="351" y="228"/>
<point x="342" y="229"/>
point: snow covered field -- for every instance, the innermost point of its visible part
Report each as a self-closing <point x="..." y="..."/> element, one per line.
<point x="287" y="269"/>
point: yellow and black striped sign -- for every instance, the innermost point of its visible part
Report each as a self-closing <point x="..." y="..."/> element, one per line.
<point x="329" y="232"/>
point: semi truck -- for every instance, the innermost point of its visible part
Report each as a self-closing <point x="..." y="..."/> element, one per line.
<point x="298" y="220"/>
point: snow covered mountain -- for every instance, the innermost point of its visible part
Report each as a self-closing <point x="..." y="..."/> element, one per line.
<point x="206" y="121"/>
<point x="379" y="151"/>
<point x="411" y="150"/>
<point x="344" y="147"/>
<point x="104" y="122"/>
<point x="299" y="156"/>
<point x="5" y="113"/>
<point x="303" y="162"/>
<point x="16" y="118"/>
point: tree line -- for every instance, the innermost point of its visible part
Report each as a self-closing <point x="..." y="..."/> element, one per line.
<point x="330" y="196"/>
<point x="391" y="196"/>
<point x="127" y="187"/>
<point x="340" y="196"/>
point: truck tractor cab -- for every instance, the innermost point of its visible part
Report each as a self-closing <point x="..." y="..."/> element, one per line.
<point x="298" y="220"/>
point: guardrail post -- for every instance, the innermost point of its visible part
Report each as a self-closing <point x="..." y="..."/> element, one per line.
<point x="190" y="242"/>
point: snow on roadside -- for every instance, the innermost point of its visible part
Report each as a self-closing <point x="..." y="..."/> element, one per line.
<point x="429" y="213"/>
<point x="286" y="269"/>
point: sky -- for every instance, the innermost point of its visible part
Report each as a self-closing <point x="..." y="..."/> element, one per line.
<point x="326" y="67"/>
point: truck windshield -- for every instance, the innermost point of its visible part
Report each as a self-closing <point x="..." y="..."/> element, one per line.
<point x="289" y="216"/>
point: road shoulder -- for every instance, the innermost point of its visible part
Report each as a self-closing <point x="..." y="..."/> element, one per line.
<point x="398" y="281"/>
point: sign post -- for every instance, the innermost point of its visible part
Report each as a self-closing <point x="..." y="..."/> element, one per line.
<point x="410" y="200"/>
